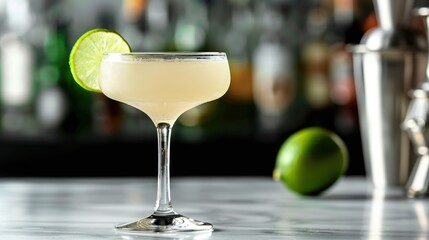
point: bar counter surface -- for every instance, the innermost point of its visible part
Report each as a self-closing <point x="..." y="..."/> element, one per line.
<point x="238" y="207"/>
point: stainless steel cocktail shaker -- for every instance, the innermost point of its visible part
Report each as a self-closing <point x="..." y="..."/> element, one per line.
<point x="388" y="63"/>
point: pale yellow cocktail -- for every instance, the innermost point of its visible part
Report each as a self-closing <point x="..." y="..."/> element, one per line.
<point x="164" y="88"/>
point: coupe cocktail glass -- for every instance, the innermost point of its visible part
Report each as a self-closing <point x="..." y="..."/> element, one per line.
<point x="164" y="85"/>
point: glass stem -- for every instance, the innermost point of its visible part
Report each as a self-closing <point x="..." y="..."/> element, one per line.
<point x="163" y="202"/>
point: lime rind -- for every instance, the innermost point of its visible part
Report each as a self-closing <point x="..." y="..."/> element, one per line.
<point x="87" y="53"/>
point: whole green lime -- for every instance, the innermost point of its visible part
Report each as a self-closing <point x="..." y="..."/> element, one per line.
<point x="311" y="160"/>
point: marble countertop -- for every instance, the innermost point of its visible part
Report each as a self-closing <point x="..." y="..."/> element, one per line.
<point x="238" y="207"/>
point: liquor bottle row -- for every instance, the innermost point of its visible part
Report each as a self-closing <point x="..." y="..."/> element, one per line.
<point x="288" y="59"/>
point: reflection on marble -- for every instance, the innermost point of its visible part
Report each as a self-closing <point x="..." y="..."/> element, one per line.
<point x="239" y="208"/>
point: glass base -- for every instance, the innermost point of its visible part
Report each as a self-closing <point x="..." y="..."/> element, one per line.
<point x="174" y="223"/>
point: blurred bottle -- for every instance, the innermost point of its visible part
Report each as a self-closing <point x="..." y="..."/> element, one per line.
<point x="327" y="64"/>
<point x="274" y="80"/>
<point x="17" y="87"/>
<point x="237" y="42"/>
<point x="315" y="60"/>
<point x="342" y="91"/>
<point x="17" y="65"/>
<point x="234" y="31"/>
<point x="347" y="28"/>
<point x="62" y="108"/>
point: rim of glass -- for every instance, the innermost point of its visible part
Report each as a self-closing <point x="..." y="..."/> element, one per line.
<point x="165" y="56"/>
